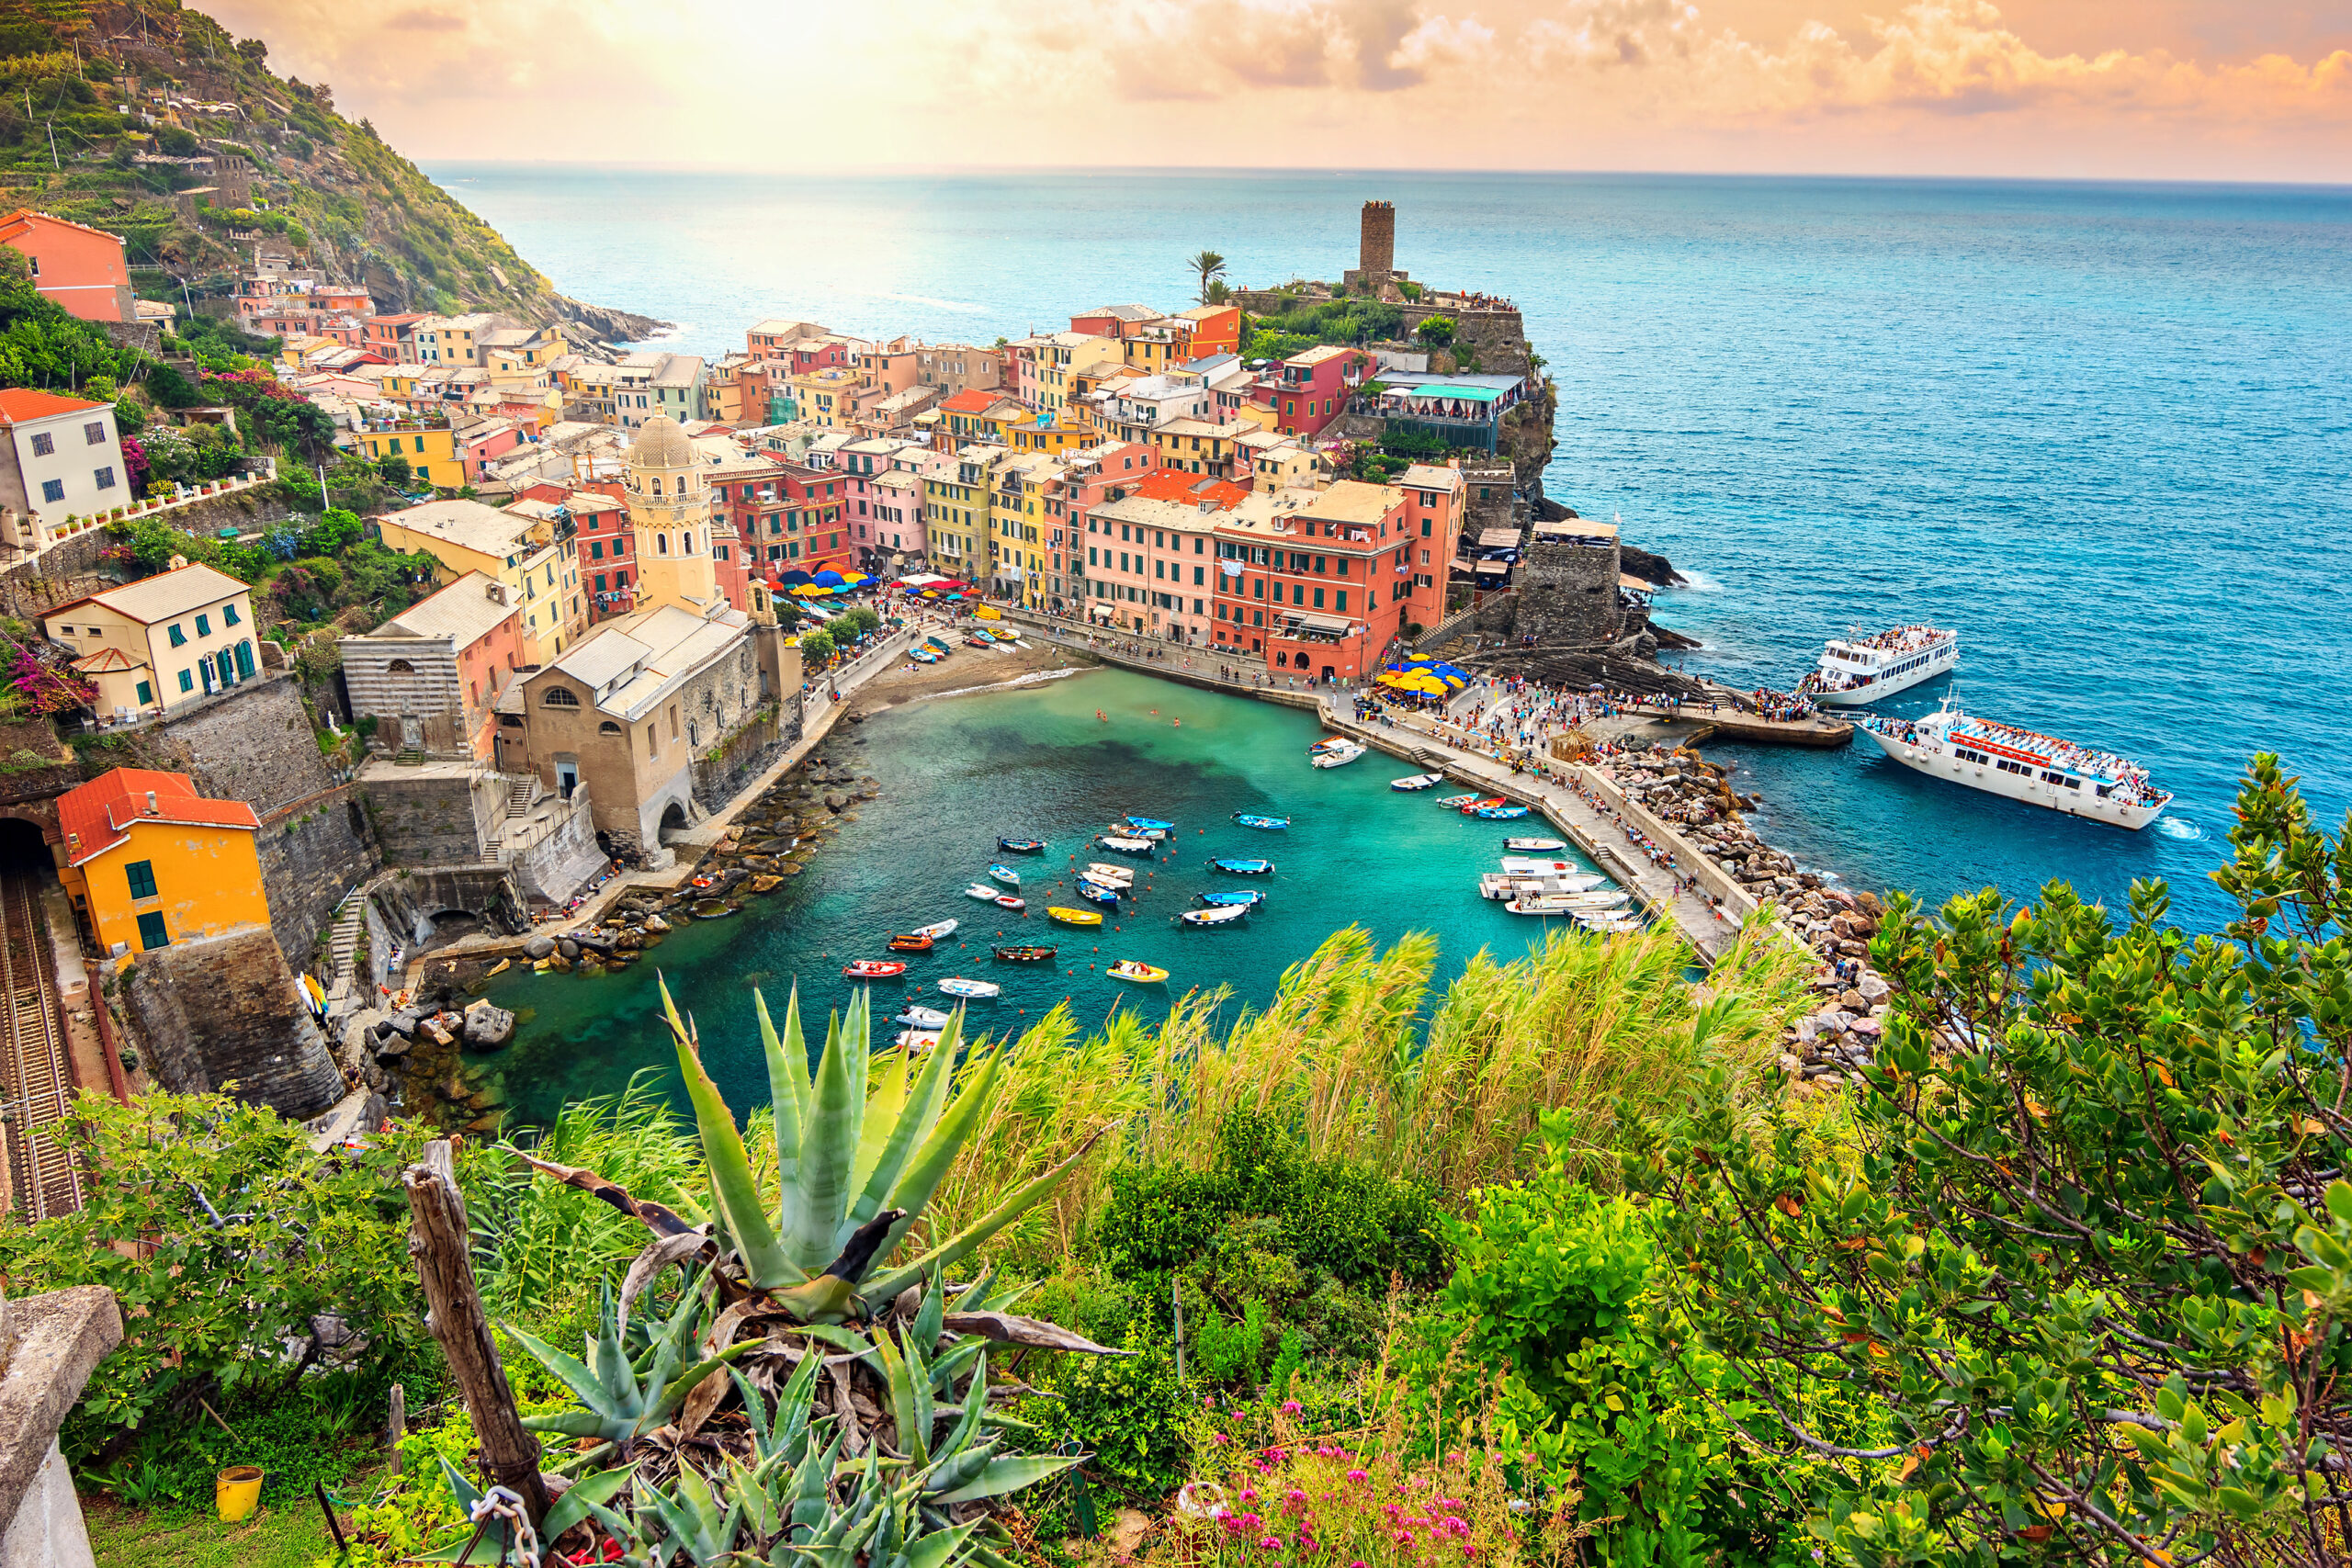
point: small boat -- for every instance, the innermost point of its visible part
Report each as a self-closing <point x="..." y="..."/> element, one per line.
<point x="1096" y="893"/>
<point x="1563" y="903"/>
<point x="1222" y="916"/>
<point x="1126" y="846"/>
<point x="1338" y="756"/>
<point x="956" y="986"/>
<point x="1141" y="823"/>
<point x="1007" y="901"/>
<point x="1502" y="813"/>
<point x="981" y="639"/>
<point x="872" y="969"/>
<point x="1417" y="781"/>
<point x="1503" y="884"/>
<point x="1534" y="846"/>
<point x="922" y="1017"/>
<point x="1005" y="874"/>
<point x="940" y="931"/>
<point x="918" y="1039"/>
<point x="1329" y="743"/>
<point x="1486" y="805"/>
<point x="1271" y="824"/>
<point x="1244" y="867"/>
<point x="1110" y="873"/>
<point x="923" y="656"/>
<point x="1241" y="898"/>
<point x="1154" y="835"/>
<point x="1521" y="865"/>
<point x="911" y="942"/>
<point x="1026" y="954"/>
<point x="1456" y="801"/>
<point x="1614" y="923"/>
<point x="1136" y="970"/>
<point x="1069" y="917"/>
<point x="981" y="890"/>
<point x="1022" y="846"/>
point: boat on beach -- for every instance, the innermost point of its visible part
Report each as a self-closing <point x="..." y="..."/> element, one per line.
<point x="1063" y="915"/>
<point x="1005" y="874"/>
<point x="1338" y="756"/>
<point x="1270" y="824"/>
<point x="1126" y="846"/>
<point x="872" y="969"/>
<point x="1022" y="846"/>
<point x="2022" y="764"/>
<point x="1136" y="970"/>
<point x="956" y="986"/>
<point x="1224" y="915"/>
<point x="1417" y="781"/>
<point x="1244" y="867"/>
<point x="1534" y="846"/>
<point x="940" y="931"/>
<point x="1026" y="954"/>
<point x="1242" y="898"/>
<point x="1862" y="666"/>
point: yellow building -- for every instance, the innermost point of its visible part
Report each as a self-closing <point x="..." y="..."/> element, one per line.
<point x="519" y="550"/>
<point x="431" y="451"/>
<point x="825" y="396"/>
<point x="149" y="862"/>
<point x="1016" y="526"/>
<point x="161" y="642"/>
<point x="955" y="515"/>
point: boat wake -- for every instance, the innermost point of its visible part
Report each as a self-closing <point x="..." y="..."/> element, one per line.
<point x="1697" y="582"/>
<point x="2179" y="828"/>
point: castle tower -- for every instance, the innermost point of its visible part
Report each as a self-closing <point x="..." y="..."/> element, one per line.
<point x="669" y="512"/>
<point x="1376" y="251"/>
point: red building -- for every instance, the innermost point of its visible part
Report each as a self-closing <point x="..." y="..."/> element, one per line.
<point x="394" y="337"/>
<point x="1433" y="518"/>
<point x="786" y="517"/>
<point x="79" y="267"/>
<point x="1316" y="585"/>
<point x="1309" y="390"/>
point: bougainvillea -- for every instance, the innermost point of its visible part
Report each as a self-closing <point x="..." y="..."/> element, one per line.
<point x="44" y="688"/>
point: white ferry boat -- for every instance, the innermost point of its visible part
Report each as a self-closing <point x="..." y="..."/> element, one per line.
<point x="1862" y="668"/>
<point x="2041" y="769"/>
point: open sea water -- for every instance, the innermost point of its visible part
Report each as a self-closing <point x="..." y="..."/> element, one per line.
<point x="2102" y="429"/>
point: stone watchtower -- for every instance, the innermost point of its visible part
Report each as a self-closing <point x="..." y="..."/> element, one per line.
<point x="1375" y="249"/>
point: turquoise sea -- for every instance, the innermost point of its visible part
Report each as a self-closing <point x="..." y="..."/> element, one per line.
<point x="2104" y="429"/>
<point x="1037" y="761"/>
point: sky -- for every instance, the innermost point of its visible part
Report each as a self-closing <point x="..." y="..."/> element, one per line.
<point x="2257" y="90"/>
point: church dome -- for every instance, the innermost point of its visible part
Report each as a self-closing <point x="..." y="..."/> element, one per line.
<point x="662" y="443"/>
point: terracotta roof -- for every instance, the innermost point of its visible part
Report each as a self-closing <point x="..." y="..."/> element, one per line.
<point x="98" y="815"/>
<point x="973" y="401"/>
<point x="23" y="403"/>
<point x="26" y="215"/>
<point x="1170" y="484"/>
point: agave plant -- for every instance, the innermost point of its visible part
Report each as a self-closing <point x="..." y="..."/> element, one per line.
<point x="623" y="1397"/>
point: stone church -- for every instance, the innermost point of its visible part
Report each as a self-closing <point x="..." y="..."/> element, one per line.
<point x="661" y="714"/>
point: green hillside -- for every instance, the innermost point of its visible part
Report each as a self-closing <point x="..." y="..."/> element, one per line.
<point x="89" y="87"/>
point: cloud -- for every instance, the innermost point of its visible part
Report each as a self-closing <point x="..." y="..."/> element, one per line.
<point x="421" y="19"/>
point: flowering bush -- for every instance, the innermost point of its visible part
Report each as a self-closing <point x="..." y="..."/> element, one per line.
<point x="43" y="688"/>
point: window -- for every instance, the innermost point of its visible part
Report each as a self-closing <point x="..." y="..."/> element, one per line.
<point x="180" y="637"/>
<point x="94" y="432"/>
<point x="203" y="626"/>
<point x="188" y="682"/>
<point x="104" y="476"/>
<point x="559" y="697"/>
<point x="245" y="661"/>
<point x="141" y="876"/>
<point x="44" y="444"/>
<point x="146" y="694"/>
<point x="52" y="490"/>
<point x="151" y="934"/>
<point x="608" y="727"/>
<point x="228" y="616"/>
<point x="1343" y="599"/>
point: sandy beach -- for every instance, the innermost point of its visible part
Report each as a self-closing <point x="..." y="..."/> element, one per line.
<point x="969" y="668"/>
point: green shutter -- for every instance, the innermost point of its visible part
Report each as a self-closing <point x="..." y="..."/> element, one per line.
<point x="151" y="934"/>
<point x="140" y="873"/>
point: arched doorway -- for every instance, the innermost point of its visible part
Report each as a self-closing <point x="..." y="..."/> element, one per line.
<point x="674" y="820"/>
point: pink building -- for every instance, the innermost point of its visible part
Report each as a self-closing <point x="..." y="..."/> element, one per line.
<point x="1309" y="390"/>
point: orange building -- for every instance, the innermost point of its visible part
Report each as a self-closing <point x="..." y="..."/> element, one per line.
<point x="80" y="267"/>
<point x="149" y="862"/>
<point x="1214" y="329"/>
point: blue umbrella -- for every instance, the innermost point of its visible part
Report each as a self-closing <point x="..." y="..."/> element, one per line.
<point x="793" y="579"/>
<point x="827" y="580"/>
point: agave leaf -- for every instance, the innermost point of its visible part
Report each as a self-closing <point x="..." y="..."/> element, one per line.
<point x="572" y="1508"/>
<point x="788" y="1093"/>
<point x="932" y="1163"/>
<point x="464" y="1490"/>
<point x="732" y="1189"/>
<point x="931" y="1314"/>
<point x="607" y="1361"/>
<point x="975" y="1295"/>
<point x="828" y="1147"/>
<point x="838" y="1337"/>
<point x="759" y="1507"/>
<point x="886" y="1100"/>
<point x="976" y="1404"/>
<point x="574" y="1373"/>
<point x="939" y="1549"/>
<point x="808" y="1504"/>
<point x="1010" y="1474"/>
<point x="952" y="1362"/>
<point x="659" y="1218"/>
<point x="1009" y="1328"/>
<point x="905" y="1129"/>
<point x="666" y="1405"/>
<point x="960" y="1245"/>
<point x="577" y="1423"/>
<point x="908" y="1381"/>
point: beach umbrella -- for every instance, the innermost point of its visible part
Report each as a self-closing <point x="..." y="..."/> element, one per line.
<point x="811" y="591"/>
<point x="1429" y="685"/>
<point x="827" y="579"/>
<point x="793" y="577"/>
<point x="855" y="577"/>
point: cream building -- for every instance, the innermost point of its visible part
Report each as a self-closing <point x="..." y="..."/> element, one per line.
<point x="162" y="642"/>
<point x="521" y="550"/>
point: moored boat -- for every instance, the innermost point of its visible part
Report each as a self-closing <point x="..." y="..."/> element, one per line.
<point x="956" y="986"/>
<point x="872" y="969"/>
<point x="1126" y="846"/>
<point x="1543" y="904"/>
<point x="1098" y="892"/>
<point x="1534" y="846"/>
<point x="918" y="1039"/>
<point x="1026" y="954"/>
<point x="1526" y="865"/>
<point x="1005" y="874"/>
<point x="2023" y="764"/>
<point x="911" y="941"/>
<point x="1456" y="801"/>
<point x="1417" y="781"/>
<point x="1007" y="901"/>
<point x="1022" y="846"/>
<point x="1135" y="969"/>
<point x="922" y="1017"/>
<point x="1141" y="824"/>
<point x="1241" y="898"/>
<point x="1503" y="884"/>
<point x="981" y="890"/>
<point x="1110" y="873"/>
<point x="939" y="931"/>
<point x="1338" y="756"/>
<point x="1502" y="813"/>
<point x="1271" y="824"/>
<point x="1478" y="807"/>
<point x="1240" y="867"/>
<point x="1864" y="667"/>
<point x="1068" y="917"/>
<point x="1223" y="915"/>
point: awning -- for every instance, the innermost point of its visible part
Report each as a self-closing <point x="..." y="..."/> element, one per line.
<point x="1634" y="584"/>
<point x="1102" y="611"/>
<point x="1468" y="394"/>
<point x="1493" y="569"/>
<point x="1497" y="538"/>
<point x="1332" y="626"/>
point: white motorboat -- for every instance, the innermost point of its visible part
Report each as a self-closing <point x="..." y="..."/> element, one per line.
<point x="983" y="891"/>
<point x="1534" y="846"/>
<point x="2039" y="770"/>
<point x="1862" y="666"/>
<point x="1502" y="885"/>
<point x="1563" y="903"/>
<point x="1613" y="922"/>
<point x="1417" y="781"/>
<point x="1110" y="875"/>
<point x="1128" y="846"/>
<point x="1340" y="755"/>
<point x="1524" y="865"/>
<point x="918" y="1039"/>
<point x="956" y="986"/>
<point x="1221" y="915"/>
<point x="922" y="1017"/>
<point x="939" y="929"/>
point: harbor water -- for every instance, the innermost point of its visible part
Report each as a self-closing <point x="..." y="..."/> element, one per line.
<point x="1037" y="761"/>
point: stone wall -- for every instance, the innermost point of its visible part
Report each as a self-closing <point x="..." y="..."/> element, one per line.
<point x="552" y="867"/>
<point x="440" y="817"/>
<point x="226" y="1009"/>
<point x="79" y="556"/>
<point x="406" y="902"/>
<point x="313" y="854"/>
<point x="1567" y="595"/>
<point x="745" y="755"/>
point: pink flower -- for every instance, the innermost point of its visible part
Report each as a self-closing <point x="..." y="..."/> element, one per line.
<point x="1219" y="1437"/>
<point x="1358" y="1476"/>
<point x="1270" y="1543"/>
<point x="1292" y="1407"/>
<point x="1327" y="1451"/>
<point x="1296" y="1498"/>
<point x="1454" y="1458"/>
<point x="1248" y="1494"/>
<point x="1402" y="1538"/>
<point x="1468" y="1550"/>
<point x="1246" y="1522"/>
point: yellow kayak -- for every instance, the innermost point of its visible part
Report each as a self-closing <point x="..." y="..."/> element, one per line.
<point x="1136" y="970"/>
<point x="1074" y="917"/>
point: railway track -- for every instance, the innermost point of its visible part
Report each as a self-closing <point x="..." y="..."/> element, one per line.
<point x="36" y="1079"/>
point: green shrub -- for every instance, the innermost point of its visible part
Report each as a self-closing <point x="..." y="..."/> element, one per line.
<point x="1228" y="1353"/>
<point x="1129" y="1412"/>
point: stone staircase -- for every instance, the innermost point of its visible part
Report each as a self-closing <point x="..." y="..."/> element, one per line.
<point x="522" y="789"/>
<point x="343" y="949"/>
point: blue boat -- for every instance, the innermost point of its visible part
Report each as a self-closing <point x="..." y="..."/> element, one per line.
<point x="1502" y="813"/>
<point x="1022" y="846"/>
<point x="1244" y="897"/>
<point x="1143" y="824"/>
<point x="1096" y="893"/>
<point x="1245" y="868"/>
<point x="1005" y="874"/>
<point x="1271" y="823"/>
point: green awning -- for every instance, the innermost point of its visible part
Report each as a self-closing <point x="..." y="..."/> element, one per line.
<point x="1468" y="394"/>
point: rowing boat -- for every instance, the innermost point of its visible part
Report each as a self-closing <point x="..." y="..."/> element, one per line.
<point x="1126" y="846"/>
<point x="1071" y="917"/>
<point x="1022" y="846"/>
<point x="1486" y="805"/>
<point x="1417" y="781"/>
<point x="1110" y="873"/>
<point x="1005" y="874"/>
<point x="1007" y="901"/>
<point x="1271" y="824"/>
<point x="872" y="969"/>
<point x="1244" y="867"/>
<point x="922" y="1017"/>
<point x="940" y="931"/>
<point x="981" y="890"/>
<point x="911" y="942"/>
<point x="956" y="986"/>
<point x="1243" y="897"/>
<point x="1097" y="892"/>
<point x="918" y="1039"/>
<point x="1502" y="813"/>
<point x="1225" y="915"/>
<point x="1534" y="846"/>
<point x="1026" y="954"/>
<point x="1338" y="756"/>
<point x="1456" y="801"/>
<point x="1141" y="823"/>
<point x="1136" y="970"/>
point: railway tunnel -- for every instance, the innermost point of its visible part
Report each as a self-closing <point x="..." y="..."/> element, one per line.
<point x="36" y="1071"/>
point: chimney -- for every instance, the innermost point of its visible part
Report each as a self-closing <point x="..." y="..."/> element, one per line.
<point x="152" y="809"/>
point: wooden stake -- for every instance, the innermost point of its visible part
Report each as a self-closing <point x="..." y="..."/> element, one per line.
<point x="437" y="1240"/>
<point x="398" y="1426"/>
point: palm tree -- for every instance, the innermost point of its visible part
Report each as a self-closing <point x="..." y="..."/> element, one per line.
<point x="1211" y="266"/>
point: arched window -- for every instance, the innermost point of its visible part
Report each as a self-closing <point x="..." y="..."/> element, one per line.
<point x="608" y="727"/>
<point x="559" y="697"/>
<point x="662" y="544"/>
<point x="399" y="667"/>
<point x="657" y="484"/>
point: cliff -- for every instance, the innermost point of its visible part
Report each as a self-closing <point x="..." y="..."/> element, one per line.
<point x="148" y="119"/>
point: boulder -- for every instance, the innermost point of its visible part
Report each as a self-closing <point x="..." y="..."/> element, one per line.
<point x="1869" y="905"/>
<point x="403" y="1020"/>
<point x="836" y="801"/>
<point x="1868" y="1028"/>
<point x="539" y="947"/>
<point x="1873" y="985"/>
<point x="567" y="946"/>
<point x="393" y="1047"/>
<point x="1829" y="1021"/>
<point x="656" y="924"/>
<point x="488" y="1027"/>
<point x="1852" y="1001"/>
